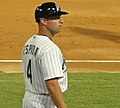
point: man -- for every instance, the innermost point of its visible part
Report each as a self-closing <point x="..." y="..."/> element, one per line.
<point x="44" y="68"/>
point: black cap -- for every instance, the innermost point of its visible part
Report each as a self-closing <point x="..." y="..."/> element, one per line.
<point x="47" y="10"/>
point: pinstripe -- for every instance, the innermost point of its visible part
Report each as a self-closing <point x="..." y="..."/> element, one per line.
<point x="36" y="80"/>
<point x="46" y="64"/>
<point x="38" y="77"/>
<point x="50" y="67"/>
<point x="52" y="59"/>
<point x="48" y="47"/>
<point x="48" y="102"/>
<point x="57" y="61"/>
<point x="45" y="67"/>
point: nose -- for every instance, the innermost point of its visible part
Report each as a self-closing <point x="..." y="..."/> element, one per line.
<point x="61" y="21"/>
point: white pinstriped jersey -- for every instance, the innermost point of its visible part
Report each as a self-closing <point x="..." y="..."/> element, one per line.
<point x="42" y="60"/>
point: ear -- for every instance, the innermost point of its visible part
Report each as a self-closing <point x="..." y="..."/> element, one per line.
<point x="43" y="21"/>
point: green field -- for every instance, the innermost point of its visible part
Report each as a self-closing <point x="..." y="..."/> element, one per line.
<point x="86" y="90"/>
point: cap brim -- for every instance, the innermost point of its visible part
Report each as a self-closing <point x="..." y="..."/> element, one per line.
<point x="63" y="13"/>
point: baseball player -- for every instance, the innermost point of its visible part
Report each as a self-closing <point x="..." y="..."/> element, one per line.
<point x="44" y="68"/>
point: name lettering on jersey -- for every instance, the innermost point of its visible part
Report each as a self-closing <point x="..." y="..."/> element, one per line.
<point x="30" y="49"/>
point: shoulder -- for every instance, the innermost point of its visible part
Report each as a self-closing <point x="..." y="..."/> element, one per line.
<point x="45" y="44"/>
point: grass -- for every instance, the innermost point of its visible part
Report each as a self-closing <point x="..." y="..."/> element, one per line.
<point x="86" y="90"/>
<point x="11" y="90"/>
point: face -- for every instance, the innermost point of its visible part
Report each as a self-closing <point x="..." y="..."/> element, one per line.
<point x="54" y="24"/>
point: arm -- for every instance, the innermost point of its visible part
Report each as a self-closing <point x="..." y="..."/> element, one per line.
<point x="55" y="92"/>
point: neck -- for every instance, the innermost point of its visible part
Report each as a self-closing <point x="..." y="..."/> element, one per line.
<point x="45" y="32"/>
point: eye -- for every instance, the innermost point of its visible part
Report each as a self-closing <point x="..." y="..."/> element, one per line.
<point x="57" y="17"/>
<point x="54" y="17"/>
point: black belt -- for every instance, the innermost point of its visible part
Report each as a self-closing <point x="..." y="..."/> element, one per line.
<point x="38" y="93"/>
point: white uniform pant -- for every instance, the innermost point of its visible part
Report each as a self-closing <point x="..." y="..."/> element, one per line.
<point x="31" y="100"/>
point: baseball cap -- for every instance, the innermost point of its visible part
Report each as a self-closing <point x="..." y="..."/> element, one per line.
<point x="47" y="10"/>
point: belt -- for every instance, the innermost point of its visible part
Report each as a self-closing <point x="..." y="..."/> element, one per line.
<point x="38" y="93"/>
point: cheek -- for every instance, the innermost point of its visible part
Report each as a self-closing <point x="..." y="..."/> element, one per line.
<point x="53" y="24"/>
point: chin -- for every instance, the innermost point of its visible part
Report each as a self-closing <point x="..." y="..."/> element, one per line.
<point x="58" y="31"/>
